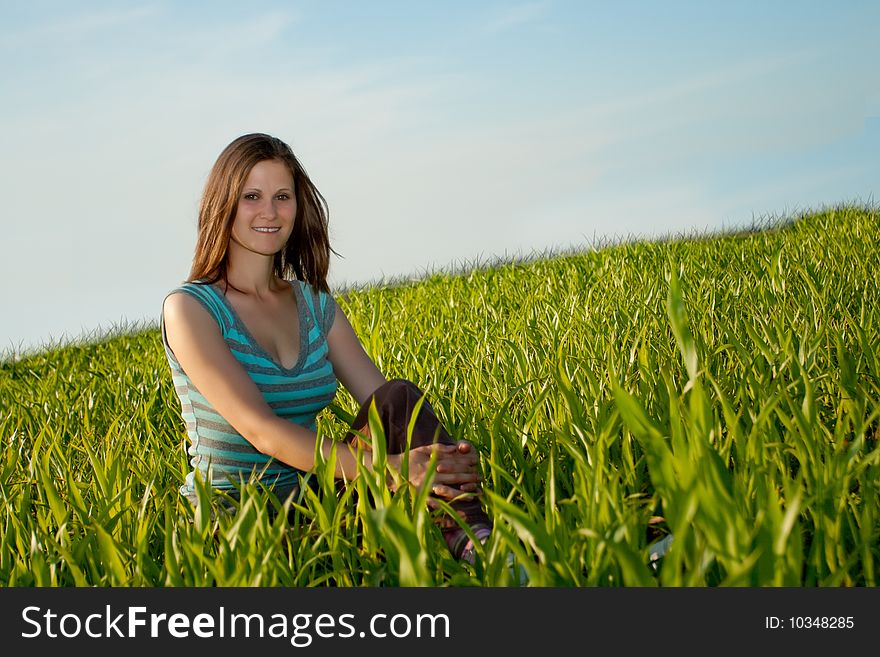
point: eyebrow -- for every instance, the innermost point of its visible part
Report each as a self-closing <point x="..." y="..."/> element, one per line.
<point x="257" y="189"/>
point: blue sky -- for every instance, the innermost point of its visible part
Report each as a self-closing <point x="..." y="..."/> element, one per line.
<point x="440" y="133"/>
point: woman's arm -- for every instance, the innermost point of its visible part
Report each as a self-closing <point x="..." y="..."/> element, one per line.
<point x="196" y="342"/>
<point x="353" y="367"/>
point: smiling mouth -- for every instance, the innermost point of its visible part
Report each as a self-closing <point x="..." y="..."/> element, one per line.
<point x="267" y="229"/>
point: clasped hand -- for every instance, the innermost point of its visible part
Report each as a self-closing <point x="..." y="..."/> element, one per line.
<point x="456" y="472"/>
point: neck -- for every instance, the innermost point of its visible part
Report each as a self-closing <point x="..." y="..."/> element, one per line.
<point x="249" y="272"/>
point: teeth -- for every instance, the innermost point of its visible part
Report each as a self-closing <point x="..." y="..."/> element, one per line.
<point x="267" y="230"/>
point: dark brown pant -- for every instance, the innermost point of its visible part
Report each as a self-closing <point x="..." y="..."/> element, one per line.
<point x="395" y="402"/>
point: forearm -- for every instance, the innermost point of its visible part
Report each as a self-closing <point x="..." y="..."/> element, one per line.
<point x="294" y="445"/>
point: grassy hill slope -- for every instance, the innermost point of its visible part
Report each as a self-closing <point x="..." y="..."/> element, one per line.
<point x="725" y="389"/>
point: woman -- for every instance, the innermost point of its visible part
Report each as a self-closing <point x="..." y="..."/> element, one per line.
<point x="256" y="344"/>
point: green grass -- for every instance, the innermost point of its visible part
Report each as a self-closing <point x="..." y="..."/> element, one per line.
<point x="727" y="384"/>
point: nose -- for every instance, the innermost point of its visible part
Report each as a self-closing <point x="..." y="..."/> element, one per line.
<point x="268" y="210"/>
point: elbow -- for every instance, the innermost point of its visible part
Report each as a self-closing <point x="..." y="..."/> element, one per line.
<point x="260" y="434"/>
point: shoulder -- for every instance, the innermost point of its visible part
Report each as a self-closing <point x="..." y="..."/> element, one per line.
<point x="311" y="293"/>
<point x="182" y="308"/>
<point x="193" y="302"/>
<point x="321" y="303"/>
<point x="187" y="320"/>
<point x="180" y="303"/>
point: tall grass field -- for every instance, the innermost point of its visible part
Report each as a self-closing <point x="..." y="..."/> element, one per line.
<point x="723" y="389"/>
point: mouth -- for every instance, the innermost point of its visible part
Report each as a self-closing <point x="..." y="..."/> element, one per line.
<point x="266" y="229"/>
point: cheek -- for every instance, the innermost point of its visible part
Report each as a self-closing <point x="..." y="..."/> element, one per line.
<point x="291" y="216"/>
<point x="239" y="225"/>
<point x="242" y="217"/>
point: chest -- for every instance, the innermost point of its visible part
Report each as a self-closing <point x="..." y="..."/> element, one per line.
<point x="274" y="324"/>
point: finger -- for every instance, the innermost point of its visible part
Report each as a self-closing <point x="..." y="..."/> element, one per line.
<point x="452" y="453"/>
<point x="455" y="457"/>
<point x="441" y="447"/>
<point x="458" y="478"/>
<point x="427" y="451"/>
<point x="456" y="466"/>
<point x="461" y="449"/>
<point x="449" y="493"/>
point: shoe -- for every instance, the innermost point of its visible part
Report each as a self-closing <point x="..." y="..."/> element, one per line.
<point x="517" y="571"/>
<point x="658" y="549"/>
<point x="519" y="574"/>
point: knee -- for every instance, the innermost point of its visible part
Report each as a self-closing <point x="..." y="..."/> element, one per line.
<point x="400" y="386"/>
<point x="398" y="391"/>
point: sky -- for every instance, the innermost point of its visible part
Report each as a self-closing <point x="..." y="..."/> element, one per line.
<point x="442" y="134"/>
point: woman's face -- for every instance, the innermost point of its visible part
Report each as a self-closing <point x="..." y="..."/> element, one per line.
<point x="266" y="209"/>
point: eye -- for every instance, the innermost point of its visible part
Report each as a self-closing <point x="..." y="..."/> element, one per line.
<point x="284" y="196"/>
<point x="251" y="196"/>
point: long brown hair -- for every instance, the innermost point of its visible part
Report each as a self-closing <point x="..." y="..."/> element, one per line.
<point x="306" y="256"/>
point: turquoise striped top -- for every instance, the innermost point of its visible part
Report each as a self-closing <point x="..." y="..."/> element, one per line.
<point x="298" y="393"/>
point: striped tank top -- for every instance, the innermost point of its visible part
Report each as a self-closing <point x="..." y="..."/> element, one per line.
<point x="298" y="393"/>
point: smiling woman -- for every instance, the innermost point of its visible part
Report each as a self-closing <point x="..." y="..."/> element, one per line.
<point x="256" y="345"/>
<point x="266" y="210"/>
